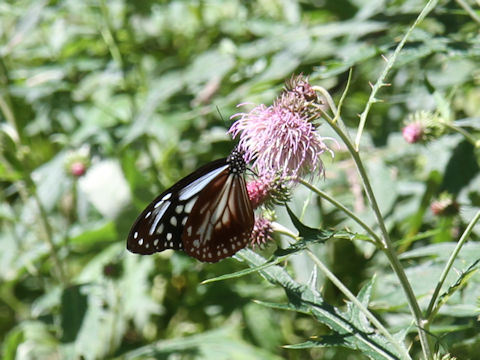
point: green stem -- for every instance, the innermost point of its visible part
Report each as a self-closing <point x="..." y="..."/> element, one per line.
<point x="108" y="37"/>
<point x="387" y="245"/>
<point x="449" y="265"/>
<point x="340" y="206"/>
<point x="331" y="103"/>
<point x="470" y="138"/>
<point x="357" y="303"/>
<point x="469" y="10"/>
<point x="49" y="238"/>
<point x="390" y="62"/>
<point x="9" y="113"/>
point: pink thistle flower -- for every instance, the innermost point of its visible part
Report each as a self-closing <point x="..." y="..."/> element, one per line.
<point x="279" y="141"/>
<point x="413" y="133"/>
<point x="262" y="232"/>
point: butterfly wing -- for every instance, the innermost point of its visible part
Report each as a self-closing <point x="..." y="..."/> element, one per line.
<point x="221" y="220"/>
<point x="161" y="224"/>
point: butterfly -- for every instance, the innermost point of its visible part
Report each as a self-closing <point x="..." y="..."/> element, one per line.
<point x="207" y="214"/>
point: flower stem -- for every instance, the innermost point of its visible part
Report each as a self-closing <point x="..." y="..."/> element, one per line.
<point x="469" y="10"/>
<point x="28" y="184"/>
<point x="357" y="303"/>
<point x="387" y="245"/>
<point x="449" y="265"/>
<point x="49" y="238"/>
<point x="470" y="138"/>
<point x="390" y="62"/>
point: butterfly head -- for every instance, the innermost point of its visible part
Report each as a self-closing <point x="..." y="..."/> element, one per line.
<point x="236" y="162"/>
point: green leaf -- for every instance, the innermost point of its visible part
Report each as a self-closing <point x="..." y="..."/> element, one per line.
<point x="441" y="252"/>
<point x="459" y="284"/>
<point x="301" y="298"/>
<point x="473" y="123"/>
<point x="244" y="272"/>
<point x="307" y="233"/>
<point x="93" y="233"/>
<point x="263" y="326"/>
<point x="277" y="306"/>
<point x="324" y="341"/>
<point x="74" y="307"/>
<point x="462" y="161"/>
<point x="356" y="316"/>
<point x="317" y="236"/>
<point x="221" y="344"/>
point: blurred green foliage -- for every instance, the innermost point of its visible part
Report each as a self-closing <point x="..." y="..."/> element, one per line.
<point x="140" y="92"/>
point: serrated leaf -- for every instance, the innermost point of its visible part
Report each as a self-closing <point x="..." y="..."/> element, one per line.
<point x="307" y="233"/>
<point x="357" y="317"/>
<point x="278" y="306"/>
<point x="459" y="284"/>
<point x="324" y="341"/>
<point x="304" y="299"/>
<point x="244" y="272"/>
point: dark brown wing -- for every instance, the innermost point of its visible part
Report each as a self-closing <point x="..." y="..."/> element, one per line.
<point x="221" y="220"/>
<point x="160" y="225"/>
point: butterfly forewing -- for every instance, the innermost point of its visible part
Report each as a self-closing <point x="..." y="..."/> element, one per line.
<point x="221" y="220"/>
<point x="161" y="224"/>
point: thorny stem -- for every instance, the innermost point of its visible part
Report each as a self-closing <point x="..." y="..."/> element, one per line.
<point x="390" y="62"/>
<point x="470" y="138"/>
<point x="449" y="265"/>
<point x="386" y="244"/>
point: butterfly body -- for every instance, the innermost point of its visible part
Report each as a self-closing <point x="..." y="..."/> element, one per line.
<point x="207" y="214"/>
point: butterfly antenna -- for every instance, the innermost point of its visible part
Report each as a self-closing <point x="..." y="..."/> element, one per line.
<point x="220" y="114"/>
<point x="252" y="172"/>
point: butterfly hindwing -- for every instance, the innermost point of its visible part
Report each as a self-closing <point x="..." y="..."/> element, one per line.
<point x="160" y="225"/>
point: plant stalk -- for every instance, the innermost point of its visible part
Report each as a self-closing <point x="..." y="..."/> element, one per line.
<point x="449" y="264"/>
<point x="387" y="245"/>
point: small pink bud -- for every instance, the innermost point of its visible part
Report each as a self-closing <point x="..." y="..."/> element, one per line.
<point x="262" y="232"/>
<point x="258" y="191"/>
<point x="78" y="168"/>
<point x="445" y="207"/>
<point x="112" y="270"/>
<point x="412" y="133"/>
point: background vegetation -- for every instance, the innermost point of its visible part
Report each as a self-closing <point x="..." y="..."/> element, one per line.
<point x="140" y="93"/>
